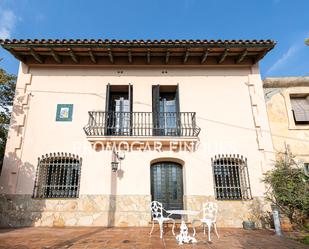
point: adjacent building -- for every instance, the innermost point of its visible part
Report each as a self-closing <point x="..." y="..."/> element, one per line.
<point x="100" y="128"/>
<point x="287" y="101"/>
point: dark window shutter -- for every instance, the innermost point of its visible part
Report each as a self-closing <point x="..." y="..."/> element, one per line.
<point x="108" y="87"/>
<point x="107" y="107"/>
<point x="130" y="94"/>
<point x="178" y="118"/>
<point x="156" y="108"/>
<point x="177" y="99"/>
<point x="156" y="98"/>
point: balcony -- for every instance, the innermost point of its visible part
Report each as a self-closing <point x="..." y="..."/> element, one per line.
<point x="141" y="125"/>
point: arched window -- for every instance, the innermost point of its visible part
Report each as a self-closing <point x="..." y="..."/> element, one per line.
<point x="231" y="177"/>
<point x="57" y="176"/>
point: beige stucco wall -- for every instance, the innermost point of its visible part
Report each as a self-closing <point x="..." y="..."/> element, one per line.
<point x="285" y="133"/>
<point x="230" y="108"/>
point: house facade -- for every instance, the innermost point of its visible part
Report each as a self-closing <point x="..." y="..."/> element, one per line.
<point x="100" y="128"/>
<point x="287" y="105"/>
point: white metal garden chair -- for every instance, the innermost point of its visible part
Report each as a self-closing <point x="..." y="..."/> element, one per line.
<point x="210" y="210"/>
<point x="157" y="215"/>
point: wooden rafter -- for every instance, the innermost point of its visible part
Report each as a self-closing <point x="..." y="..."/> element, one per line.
<point x="36" y="56"/>
<point x="148" y="56"/>
<point x="73" y="56"/>
<point x="92" y="57"/>
<point x="260" y="56"/>
<point x="17" y="56"/>
<point x="185" y="58"/>
<point x="161" y="52"/>
<point x="129" y="55"/>
<point x="205" y="55"/>
<point x="107" y="52"/>
<point x="110" y="55"/>
<point x="167" y="56"/>
<point x="223" y="56"/>
<point x="242" y="56"/>
<point x="55" y="56"/>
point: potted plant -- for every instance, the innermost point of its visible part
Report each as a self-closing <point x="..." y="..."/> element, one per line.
<point x="255" y="216"/>
<point x="248" y="224"/>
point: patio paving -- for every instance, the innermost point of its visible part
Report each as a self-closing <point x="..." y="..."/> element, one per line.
<point x="136" y="238"/>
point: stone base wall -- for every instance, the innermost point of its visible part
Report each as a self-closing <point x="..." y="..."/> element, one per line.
<point x="108" y="211"/>
<point x="232" y="213"/>
<point x="87" y="210"/>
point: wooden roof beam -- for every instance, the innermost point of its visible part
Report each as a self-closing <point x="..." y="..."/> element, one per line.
<point x="36" y="56"/>
<point x="185" y="58"/>
<point x="73" y="56"/>
<point x="17" y="56"/>
<point x="260" y="56"/>
<point x="110" y="55"/>
<point x="223" y="56"/>
<point x="55" y="56"/>
<point x="205" y="55"/>
<point x="148" y="56"/>
<point x="92" y="57"/>
<point x="242" y="56"/>
<point x="129" y="55"/>
<point x="167" y="56"/>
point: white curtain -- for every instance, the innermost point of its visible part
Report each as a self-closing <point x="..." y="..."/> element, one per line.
<point x="122" y="116"/>
<point x="168" y="116"/>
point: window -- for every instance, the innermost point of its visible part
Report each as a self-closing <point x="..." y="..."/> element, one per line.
<point x="300" y="108"/>
<point x="57" y="176"/>
<point x="119" y="99"/>
<point x="231" y="177"/>
<point x="165" y="108"/>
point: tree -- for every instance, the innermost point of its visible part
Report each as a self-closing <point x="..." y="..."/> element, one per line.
<point x="307" y="41"/>
<point x="7" y="91"/>
<point x="289" y="188"/>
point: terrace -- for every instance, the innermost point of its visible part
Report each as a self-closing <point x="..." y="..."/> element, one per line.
<point x="99" y="237"/>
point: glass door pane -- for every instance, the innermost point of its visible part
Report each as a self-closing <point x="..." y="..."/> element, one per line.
<point x="167" y="185"/>
<point x="122" y="116"/>
<point x="168" y="117"/>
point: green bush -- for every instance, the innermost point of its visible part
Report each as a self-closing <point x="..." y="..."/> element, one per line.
<point x="289" y="189"/>
<point x="7" y="91"/>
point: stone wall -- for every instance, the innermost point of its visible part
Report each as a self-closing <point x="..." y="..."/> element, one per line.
<point x="232" y="213"/>
<point x="108" y="211"/>
<point x="88" y="210"/>
<point x="285" y="132"/>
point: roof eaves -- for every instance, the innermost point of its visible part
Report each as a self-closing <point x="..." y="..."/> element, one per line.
<point x="138" y="43"/>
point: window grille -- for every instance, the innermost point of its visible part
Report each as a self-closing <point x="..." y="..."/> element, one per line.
<point x="231" y="177"/>
<point x="57" y="176"/>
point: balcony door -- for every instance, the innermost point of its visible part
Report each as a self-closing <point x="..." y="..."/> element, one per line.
<point x="165" y="106"/>
<point x="118" y="109"/>
<point x="167" y="184"/>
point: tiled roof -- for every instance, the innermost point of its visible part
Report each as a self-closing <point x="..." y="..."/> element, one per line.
<point x="137" y="52"/>
<point x="283" y="82"/>
<point x="140" y="42"/>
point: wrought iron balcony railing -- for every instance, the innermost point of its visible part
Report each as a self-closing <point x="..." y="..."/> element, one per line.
<point x="142" y="124"/>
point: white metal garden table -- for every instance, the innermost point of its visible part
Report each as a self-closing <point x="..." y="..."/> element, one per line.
<point x="183" y="236"/>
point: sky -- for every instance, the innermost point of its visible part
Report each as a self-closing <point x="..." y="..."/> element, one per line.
<point x="285" y="21"/>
